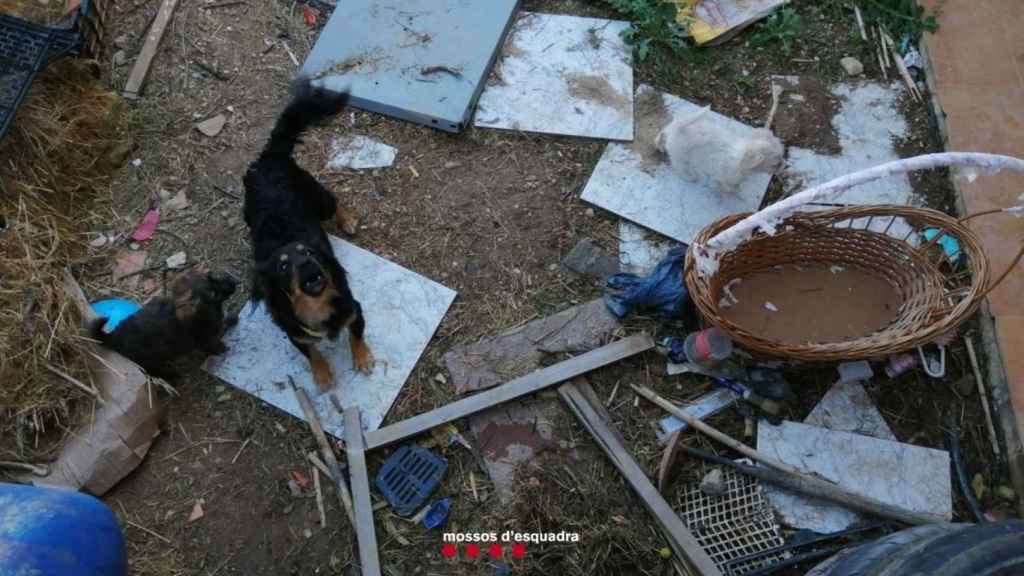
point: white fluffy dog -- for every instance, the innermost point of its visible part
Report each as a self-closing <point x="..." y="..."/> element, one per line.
<point x="708" y="152"/>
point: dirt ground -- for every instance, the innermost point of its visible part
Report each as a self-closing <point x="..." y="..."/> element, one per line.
<point x="489" y="214"/>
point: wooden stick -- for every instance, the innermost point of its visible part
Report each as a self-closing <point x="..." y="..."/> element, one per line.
<point x="811" y="486"/>
<point x="239" y="453"/>
<point x="319" y="497"/>
<point x="290" y="53"/>
<point x="902" y="68"/>
<point x="668" y="457"/>
<point x="698" y="424"/>
<point x="133" y="87"/>
<point x="983" y="394"/>
<point x="325" y="449"/>
<point x="366" y="534"/>
<point x="76" y="383"/>
<point x="860" y="23"/>
<point x="684" y="546"/>
<point x="528" y="384"/>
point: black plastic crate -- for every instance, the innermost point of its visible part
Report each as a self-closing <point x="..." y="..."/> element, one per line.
<point x="26" y="48"/>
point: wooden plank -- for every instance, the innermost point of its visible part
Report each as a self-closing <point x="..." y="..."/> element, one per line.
<point x="366" y="534"/>
<point x="133" y="86"/>
<point x="684" y="545"/>
<point x="325" y="449"/>
<point x="528" y="384"/>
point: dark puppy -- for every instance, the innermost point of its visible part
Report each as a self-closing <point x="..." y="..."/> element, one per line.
<point x="296" y="273"/>
<point x="169" y="327"/>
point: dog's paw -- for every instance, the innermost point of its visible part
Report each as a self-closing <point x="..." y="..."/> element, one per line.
<point x="347" y="220"/>
<point x="323" y="377"/>
<point x="362" y="357"/>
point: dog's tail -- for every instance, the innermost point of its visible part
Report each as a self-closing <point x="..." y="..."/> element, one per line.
<point x="309" y="106"/>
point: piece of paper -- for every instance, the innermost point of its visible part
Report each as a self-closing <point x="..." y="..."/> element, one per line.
<point x="562" y="75"/>
<point x="360" y="153"/>
<point x="402" y="310"/>
<point x="714" y="21"/>
<point x="903" y="475"/>
<point x="636" y="182"/>
<point x="115" y="441"/>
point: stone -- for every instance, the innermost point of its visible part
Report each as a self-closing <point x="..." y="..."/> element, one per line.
<point x="713" y="483"/>
<point x="588" y="259"/>
<point x="852" y="66"/>
<point x="121" y="42"/>
<point x="176" y="260"/>
<point x="212" y="126"/>
<point x="120" y="58"/>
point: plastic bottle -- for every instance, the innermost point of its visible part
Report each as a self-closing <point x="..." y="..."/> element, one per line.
<point x="707" y="347"/>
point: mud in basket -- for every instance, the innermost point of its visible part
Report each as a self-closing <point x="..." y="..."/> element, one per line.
<point x="903" y="246"/>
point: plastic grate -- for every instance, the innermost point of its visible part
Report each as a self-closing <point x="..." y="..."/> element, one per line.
<point x="736" y="524"/>
<point x="409" y="476"/>
<point x="25" y="49"/>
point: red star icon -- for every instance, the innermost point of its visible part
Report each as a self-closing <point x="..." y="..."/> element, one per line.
<point x="495" y="551"/>
<point x="518" y="550"/>
<point x="449" y="550"/>
<point x="473" y="550"/>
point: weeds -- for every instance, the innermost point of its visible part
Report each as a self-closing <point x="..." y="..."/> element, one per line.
<point x="782" y="27"/>
<point x="902" y="18"/>
<point x="652" y="25"/>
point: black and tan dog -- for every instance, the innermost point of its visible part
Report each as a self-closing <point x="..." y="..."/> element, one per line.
<point x="169" y="327"/>
<point x="295" y="272"/>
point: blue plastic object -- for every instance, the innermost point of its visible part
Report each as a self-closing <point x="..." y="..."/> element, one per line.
<point x="661" y="293"/>
<point x="58" y="533"/>
<point x="409" y="476"/>
<point x="115" y="311"/>
<point x="949" y="244"/>
<point x="438" y="513"/>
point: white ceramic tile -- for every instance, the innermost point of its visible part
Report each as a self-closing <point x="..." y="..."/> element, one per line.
<point x="653" y="195"/>
<point x="911" y="477"/>
<point x="562" y="75"/>
<point x="402" y="311"/>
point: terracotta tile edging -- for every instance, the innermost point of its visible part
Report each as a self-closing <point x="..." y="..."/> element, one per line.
<point x="995" y="371"/>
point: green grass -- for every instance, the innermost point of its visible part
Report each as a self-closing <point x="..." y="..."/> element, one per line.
<point x="653" y="28"/>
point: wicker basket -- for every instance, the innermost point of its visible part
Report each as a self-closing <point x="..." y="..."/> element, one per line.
<point x="882" y="240"/>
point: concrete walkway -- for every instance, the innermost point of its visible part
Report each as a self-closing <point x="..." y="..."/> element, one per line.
<point x="977" y="65"/>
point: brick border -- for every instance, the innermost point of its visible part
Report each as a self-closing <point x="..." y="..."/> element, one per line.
<point x="995" y="371"/>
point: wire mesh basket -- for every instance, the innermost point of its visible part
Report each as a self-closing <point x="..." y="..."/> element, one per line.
<point x="937" y="292"/>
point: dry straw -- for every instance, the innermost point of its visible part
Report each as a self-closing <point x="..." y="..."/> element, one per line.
<point x="51" y="167"/>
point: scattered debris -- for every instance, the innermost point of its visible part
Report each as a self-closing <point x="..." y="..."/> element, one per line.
<point x="382" y="69"/>
<point x="360" y="153"/>
<point x="588" y="259"/>
<point x="707" y="405"/>
<point x="127" y="265"/>
<point x="119" y="58"/>
<point x="398" y="337"/>
<point x="564" y="75"/>
<point x="212" y="126"/>
<point x="147" y="226"/>
<point x="712" y="22"/>
<point x="300" y="479"/>
<point x="640" y="250"/>
<point x="344" y="497"/>
<point x="177" y="202"/>
<point x="661" y="293"/>
<point x="438" y="514"/>
<point x="309" y="15"/>
<point x="520" y="350"/>
<point x="176" y="260"/>
<point x="852" y="66"/>
<point x="512" y="434"/>
<point x="197" y="511"/>
<point x="858" y="371"/>
<point x="659" y="198"/>
<point x="713" y="483"/>
<point x="733" y="524"/>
